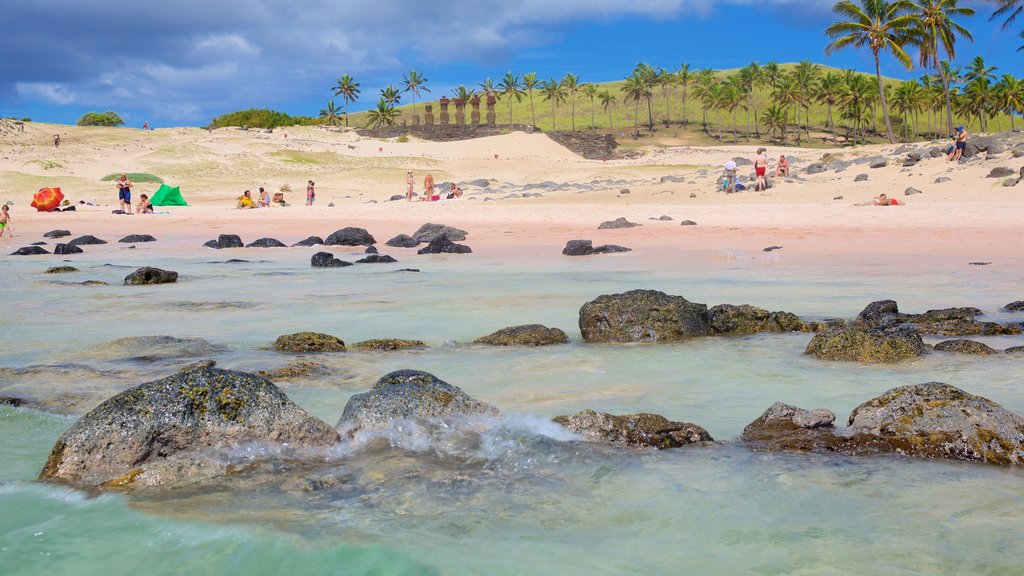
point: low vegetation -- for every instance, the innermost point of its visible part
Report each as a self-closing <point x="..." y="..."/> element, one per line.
<point x="137" y="177"/>
<point x="261" y="118"/>
<point x="108" y="118"/>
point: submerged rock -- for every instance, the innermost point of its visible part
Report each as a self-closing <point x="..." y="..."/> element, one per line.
<point x="148" y="275"/>
<point x="136" y="238"/>
<point x="388" y="345"/>
<point x="527" y="335"/>
<point x="633" y="430"/>
<point x="402" y="241"/>
<point x="863" y="345"/>
<point x="61" y="270"/>
<point x="153" y="348"/>
<point x="298" y="369"/>
<point x="156" y="433"/>
<point x="1017" y="306"/>
<point x="327" y="260"/>
<point x="266" y="243"/>
<point x="66" y="249"/>
<point x="643" y="316"/>
<point x="311" y="241"/>
<point x="30" y="251"/>
<point x="442" y="245"/>
<point x="309" y="342"/>
<point x="746" y="319"/>
<point x="945" y="322"/>
<point x="965" y="347"/>
<point x="408" y="394"/>
<point x="430" y="232"/>
<point x="350" y="236"/>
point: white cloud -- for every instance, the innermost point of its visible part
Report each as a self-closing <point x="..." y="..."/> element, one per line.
<point x="47" y="92"/>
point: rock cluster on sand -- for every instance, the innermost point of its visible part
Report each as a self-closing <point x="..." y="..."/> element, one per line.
<point x="136" y="238"/>
<point x="149" y="275"/>
<point x="634" y="430"/>
<point x="527" y="335"/>
<point x="931" y="420"/>
<point x="154" y="434"/>
<point x="309" y="342"/>
<point x="408" y="394"/>
<point x="587" y="248"/>
<point x="617" y="224"/>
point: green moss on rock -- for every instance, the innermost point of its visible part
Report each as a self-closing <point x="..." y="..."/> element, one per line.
<point x="864" y="345"/>
<point x="309" y="342"/>
<point x="388" y="345"/>
<point x="527" y="335"/>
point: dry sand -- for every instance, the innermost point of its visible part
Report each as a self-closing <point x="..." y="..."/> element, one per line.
<point x="970" y="218"/>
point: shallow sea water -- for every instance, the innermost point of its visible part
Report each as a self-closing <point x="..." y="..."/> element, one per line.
<point x="506" y="495"/>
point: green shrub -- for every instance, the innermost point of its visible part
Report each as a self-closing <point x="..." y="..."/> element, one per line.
<point x="403" y="138"/>
<point x="26" y="119"/>
<point x="261" y="118"/>
<point x="136" y="177"/>
<point x="108" y="118"/>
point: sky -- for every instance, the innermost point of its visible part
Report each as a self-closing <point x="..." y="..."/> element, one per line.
<point x="182" y="62"/>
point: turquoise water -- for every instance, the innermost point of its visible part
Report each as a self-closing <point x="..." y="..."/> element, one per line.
<point x="503" y="496"/>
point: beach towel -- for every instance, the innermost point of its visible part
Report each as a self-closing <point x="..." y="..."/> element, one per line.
<point x="167" y="196"/>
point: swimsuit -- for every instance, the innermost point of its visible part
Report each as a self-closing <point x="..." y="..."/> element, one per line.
<point x="961" y="145"/>
<point x="125" y="194"/>
<point x="3" y="225"/>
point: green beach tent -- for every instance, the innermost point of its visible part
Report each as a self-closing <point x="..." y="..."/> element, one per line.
<point x="167" y="196"/>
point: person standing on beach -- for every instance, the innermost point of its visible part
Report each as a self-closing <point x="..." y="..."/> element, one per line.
<point x="310" y="193"/>
<point x="428" y="187"/>
<point x="760" y="169"/>
<point x="5" y="221"/>
<point x="961" y="144"/>
<point x="409" y="183"/>
<point x="124" y="193"/>
<point x="56" y="140"/>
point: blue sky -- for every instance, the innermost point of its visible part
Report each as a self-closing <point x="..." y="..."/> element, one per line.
<point x="181" y="62"/>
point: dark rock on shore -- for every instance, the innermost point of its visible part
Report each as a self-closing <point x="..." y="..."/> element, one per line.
<point x="578" y="248"/>
<point x="687" y="223"/>
<point x="266" y="243"/>
<point x="527" y="335"/>
<point x="155" y="433"/>
<point x="861" y="178"/>
<point x="61" y="269"/>
<point x="309" y="342"/>
<point x="66" y="249"/>
<point x="430" y="232"/>
<point x="866" y="345"/>
<point x="879" y="163"/>
<point x="408" y="394"/>
<point x="911" y="191"/>
<point x="86" y="240"/>
<point x="327" y="260"/>
<point x="148" y="275"/>
<point x="746" y="319"/>
<point x="57" y="234"/>
<point x="611" y="249"/>
<point x="311" y="241"/>
<point x="371" y="250"/>
<point x="617" y="224"/>
<point x="965" y="347"/>
<point x="225" y="241"/>
<point x="944" y="322"/>
<point x="633" y="430"/>
<point x="402" y="241"/>
<point x="377" y="259"/>
<point x="29" y="251"/>
<point x="350" y="237"/>
<point x="1001" y="172"/>
<point x="442" y="245"/>
<point x="388" y="345"/>
<point x="643" y="316"/>
<point x="137" y="238"/>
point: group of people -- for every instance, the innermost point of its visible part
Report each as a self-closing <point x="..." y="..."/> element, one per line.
<point x="959" y="145"/>
<point x="730" y="180"/>
<point x="429" y="192"/>
<point x="124" y="197"/>
<point x="263" y="201"/>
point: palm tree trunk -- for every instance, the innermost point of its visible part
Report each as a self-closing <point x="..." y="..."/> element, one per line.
<point x="686" y="121"/>
<point x="573" y="111"/>
<point x="668" y="111"/>
<point x="533" y="114"/>
<point x="593" y="121"/>
<point x="346" y="112"/>
<point x="510" y="114"/>
<point x="832" y="124"/>
<point x="636" y="119"/>
<point x="553" y="125"/>
<point x="650" y="114"/>
<point x="610" y="123"/>
<point x="948" y="99"/>
<point x="885" y="105"/>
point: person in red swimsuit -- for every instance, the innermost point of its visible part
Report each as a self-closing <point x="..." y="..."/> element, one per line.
<point x="760" y="169"/>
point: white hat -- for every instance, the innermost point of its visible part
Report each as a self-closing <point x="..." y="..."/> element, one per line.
<point x="730" y="165"/>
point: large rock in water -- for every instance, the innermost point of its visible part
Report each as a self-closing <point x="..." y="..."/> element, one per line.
<point x="156" y="433"/>
<point x="402" y="241"/>
<point x="30" y="251"/>
<point x="931" y="420"/>
<point x="266" y="243"/>
<point x="309" y="342"/>
<point x="863" y="345"/>
<point x="633" y="430"/>
<point x="311" y="241"/>
<point x="408" y="394"/>
<point x="747" y="319"/>
<point x="388" y="345"/>
<point x="65" y="249"/>
<point x="965" y="347"/>
<point x="527" y="335"/>
<point x="430" y="232"/>
<point x="148" y="275"/>
<point x="327" y="260"/>
<point x="442" y="245"/>
<point x="643" y="316"/>
<point x="350" y="237"/>
<point x="86" y="240"/>
<point x="885" y="314"/>
<point x="225" y="241"/>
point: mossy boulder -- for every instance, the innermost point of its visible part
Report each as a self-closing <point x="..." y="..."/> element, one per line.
<point x="149" y="275"/>
<point x="297" y="369"/>
<point x="633" y="430"/>
<point x="965" y="347"/>
<point x="158" y="433"/>
<point x="388" y="345"/>
<point x="746" y="319"/>
<point x="309" y="342"/>
<point x="1017" y="306"/>
<point x="61" y="269"/>
<point x="643" y="316"/>
<point x="862" y="345"/>
<point x="784" y="427"/>
<point x="527" y="335"/>
<point x="408" y="394"/>
<point x="944" y="322"/>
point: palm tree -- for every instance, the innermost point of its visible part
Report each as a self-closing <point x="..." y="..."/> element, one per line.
<point x="906" y="100"/>
<point x="1010" y="9"/>
<point x="978" y="69"/>
<point x="530" y="82"/>
<point x="729" y="97"/>
<point x="511" y="86"/>
<point x="415" y="82"/>
<point x="554" y="92"/>
<point x="772" y="72"/>
<point x="705" y="80"/>
<point x="590" y="91"/>
<point x="383" y="115"/>
<point x="391" y="95"/>
<point x="487" y="87"/>
<point x="666" y="81"/>
<point x="829" y="87"/>
<point x="806" y="76"/>
<point x="606" y="102"/>
<point x="977" y="99"/>
<point x="685" y="77"/>
<point x="938" y="35"/>
<point x="882" y="26"/>
<point x="649" y="76"/>
<point x="348" y="89"/>
<point x="1009" y="97"/>
<point x="635" y="89"/>
<point x="750" y="76"/>
<point x="775" y="119"/>
<point x="789" y="94"/>
<point x="331" y="114"/>
<point x="571" y="82"/>
<point x="855" y="98"/>
<point x="460" y="92"/>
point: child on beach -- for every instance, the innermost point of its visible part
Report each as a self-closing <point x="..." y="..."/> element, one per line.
<point x="264" y="200"/>
<point x="145" y="207"/>
<point x="5" y="221"/>
<point x="409" y="183"/>
<point x="310" y="193"/>
<point x="124" y="193"/>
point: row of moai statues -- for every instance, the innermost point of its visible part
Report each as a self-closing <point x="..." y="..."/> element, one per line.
<point x="460" y="111"/>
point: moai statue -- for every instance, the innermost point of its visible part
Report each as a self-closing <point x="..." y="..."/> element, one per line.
<point x="491" y="101"/>
<point x="428" y="115"/>
<point x="475" y="114"/>
<point x="460" y="111"/>
<point x="444" y="110"/>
